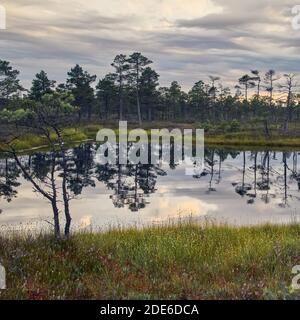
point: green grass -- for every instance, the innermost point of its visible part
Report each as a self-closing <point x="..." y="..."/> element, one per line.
<point x="251" y="140"/>
<point x="30" y="141"/>
<point x="181" y="261"/>
<point x="242" y="138"/>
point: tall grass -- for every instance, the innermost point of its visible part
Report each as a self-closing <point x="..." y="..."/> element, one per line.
<point x="184" y="261"/>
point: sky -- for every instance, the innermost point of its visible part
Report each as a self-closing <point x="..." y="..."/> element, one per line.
<point x="187" y="40"/>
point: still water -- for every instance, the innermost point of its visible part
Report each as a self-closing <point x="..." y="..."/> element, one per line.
<point x="236" y="187"/>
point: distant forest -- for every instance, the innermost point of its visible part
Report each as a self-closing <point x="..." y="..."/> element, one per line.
<point x="131" y="92"/>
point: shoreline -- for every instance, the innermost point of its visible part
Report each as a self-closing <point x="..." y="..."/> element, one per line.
<point x="75" y="136"/>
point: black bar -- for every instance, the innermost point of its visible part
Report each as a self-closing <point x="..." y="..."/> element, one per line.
<point x="143" y="309"/>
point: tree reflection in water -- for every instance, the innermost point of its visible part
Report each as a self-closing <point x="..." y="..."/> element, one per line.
<point x="62" y="176"/>
<point x="257" y="174"/>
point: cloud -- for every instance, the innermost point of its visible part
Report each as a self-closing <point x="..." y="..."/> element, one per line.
<point x="238" y="14"/>
<point x="186" y="39"/>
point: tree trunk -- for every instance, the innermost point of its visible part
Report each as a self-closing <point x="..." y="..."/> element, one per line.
<point x="149" y="113"/>
<point x="267" y="131"/>
<point x="79" y="115"/>
<point x="89" y="112"/>
<point x="138" y="106"/>
<point x="54" y="201"/>
<point x="67" y="210"/>
<point x="121" y="104"/>
<point x="106" y="109"/>
<point x="66" y="198"/>
<point x="55" y="219"/>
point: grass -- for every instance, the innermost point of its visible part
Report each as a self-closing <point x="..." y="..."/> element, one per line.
<point x="242" y="138"/>
<point x="70" y="135"/>
<point x="183" y="261"/>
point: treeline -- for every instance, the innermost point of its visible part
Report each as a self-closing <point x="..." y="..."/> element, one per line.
<point x="131" y="92"/>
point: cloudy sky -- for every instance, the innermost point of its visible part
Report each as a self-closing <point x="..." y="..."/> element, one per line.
<point x="187" y="39"/>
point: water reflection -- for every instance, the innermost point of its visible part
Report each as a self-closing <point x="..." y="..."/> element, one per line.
<point x="131" y="185"/>
<point x="267" y="177"/>
<point x="9" y="173"/>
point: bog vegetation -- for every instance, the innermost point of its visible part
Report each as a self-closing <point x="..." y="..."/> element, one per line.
<point x="182" y="261"/>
